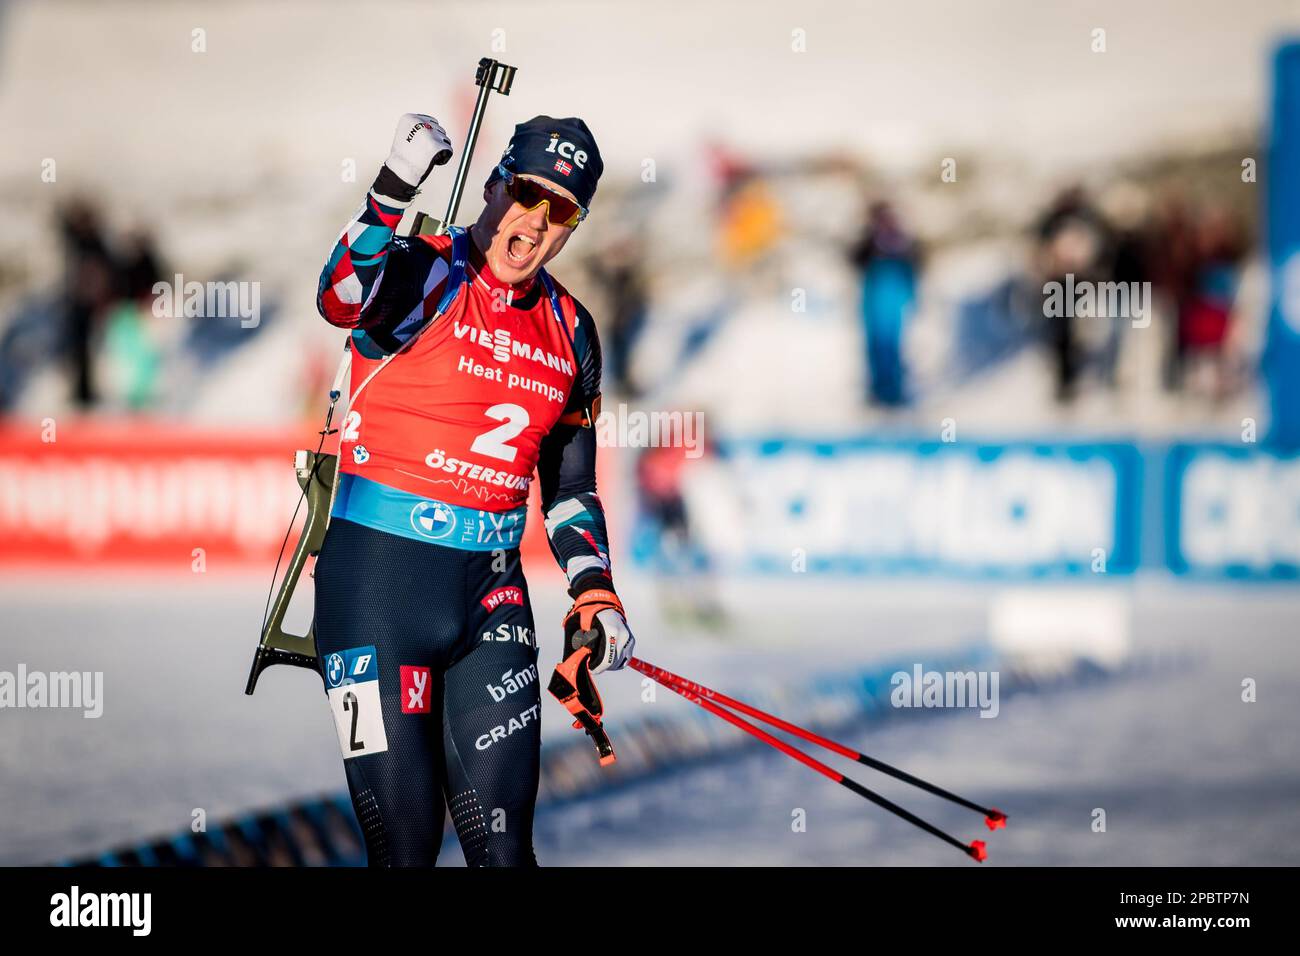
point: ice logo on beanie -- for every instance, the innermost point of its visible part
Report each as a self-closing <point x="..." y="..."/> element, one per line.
<point x="568" y="151"/>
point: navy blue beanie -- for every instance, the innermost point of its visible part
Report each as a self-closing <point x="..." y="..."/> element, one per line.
<point x="562" y="151"/>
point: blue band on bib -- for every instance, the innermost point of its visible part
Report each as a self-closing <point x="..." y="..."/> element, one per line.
<point x="399" y="512"/>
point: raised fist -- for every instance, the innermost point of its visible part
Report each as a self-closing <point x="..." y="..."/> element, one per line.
<point x="419" y="144"/>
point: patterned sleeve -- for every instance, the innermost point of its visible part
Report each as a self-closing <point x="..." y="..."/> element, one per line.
<point x="375" y="281"/>
<point x="575" y="520"/>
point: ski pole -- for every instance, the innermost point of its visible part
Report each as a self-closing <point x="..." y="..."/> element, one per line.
<point x="993" y="817"/>
<point x="976" y="850"/>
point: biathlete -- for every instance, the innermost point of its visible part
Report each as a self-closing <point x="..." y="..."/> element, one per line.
<point x="473" y="374"/>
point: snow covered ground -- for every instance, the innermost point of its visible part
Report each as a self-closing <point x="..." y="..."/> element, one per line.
<point x="1186" y="772"/>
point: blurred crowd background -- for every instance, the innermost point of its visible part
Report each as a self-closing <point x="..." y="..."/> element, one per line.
<point x="918" y="251"/>
<point x="913" y="310"/>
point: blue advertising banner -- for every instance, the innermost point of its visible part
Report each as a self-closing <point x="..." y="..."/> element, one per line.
<point x="860" y="506"/>
<point x="1281" y="361"/>
<point x="1232" y="511"/>
<point x="1018" y="510"/>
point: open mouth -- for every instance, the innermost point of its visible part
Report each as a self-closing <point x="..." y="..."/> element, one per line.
<point x="520" y="248"/>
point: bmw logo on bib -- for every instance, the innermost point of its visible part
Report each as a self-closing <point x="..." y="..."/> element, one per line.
<point x="334" y="669"/>
<point x="433" y="519"/>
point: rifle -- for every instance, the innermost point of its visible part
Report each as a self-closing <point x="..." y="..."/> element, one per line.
<point x="316" y="471"/>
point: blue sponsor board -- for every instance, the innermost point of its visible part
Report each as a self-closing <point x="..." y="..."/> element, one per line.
<point x="1016" y="510"/>
<point x="862" y="506"/>
<point x="1232" y="511"/>
<point x="1281" y="360"/>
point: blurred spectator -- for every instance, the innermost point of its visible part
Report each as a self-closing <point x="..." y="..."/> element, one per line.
<point x="140" y="266"/>
<point x="88" y="290"/>
<point x="1172" y="259"/>
<point x="133" y="350"/>
<point x="682" y="570"/>
<point x="1073" y="239"/>
<point x="1126" y="206"/>
<point x="749" y="223"/>
<point x="1196" y="260"/>
<point x="1205" y="311"/>
<point x="620" y="272"/>
<point x="887" y="258"/>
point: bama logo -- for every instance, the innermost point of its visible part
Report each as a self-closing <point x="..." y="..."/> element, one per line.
<point x="512" y="683"/>
<point x="506" y="595"/>
<point x="503" y="347"/>
<point x="415" y="689"/>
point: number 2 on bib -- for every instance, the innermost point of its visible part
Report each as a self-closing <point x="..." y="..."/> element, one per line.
<point x="494" y="441"/>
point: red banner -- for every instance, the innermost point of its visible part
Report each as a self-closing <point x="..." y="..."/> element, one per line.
<point x="150" y="495"/>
